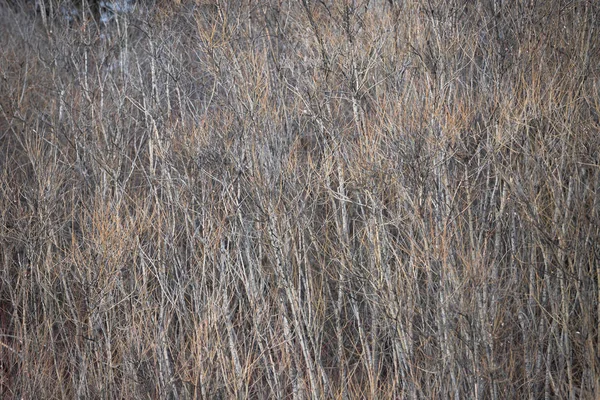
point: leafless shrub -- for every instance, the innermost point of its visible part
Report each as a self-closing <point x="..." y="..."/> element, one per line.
<point x="367" y="199"/>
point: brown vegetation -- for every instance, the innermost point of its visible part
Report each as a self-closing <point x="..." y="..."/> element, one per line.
<point x="302" y="199"/>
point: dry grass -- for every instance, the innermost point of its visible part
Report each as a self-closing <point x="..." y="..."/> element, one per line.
<point x="302" y="199"/>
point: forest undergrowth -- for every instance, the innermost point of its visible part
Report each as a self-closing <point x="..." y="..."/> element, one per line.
<point x="301" y="199"/>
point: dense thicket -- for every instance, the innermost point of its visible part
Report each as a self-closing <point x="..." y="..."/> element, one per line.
<point x="302" y="199"/>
